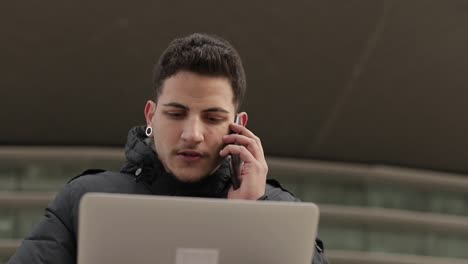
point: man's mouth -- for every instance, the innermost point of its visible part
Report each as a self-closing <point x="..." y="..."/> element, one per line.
<point x="190" y="155"/>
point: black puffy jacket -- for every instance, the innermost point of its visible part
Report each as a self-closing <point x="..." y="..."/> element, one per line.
<point x="53" y="240"/>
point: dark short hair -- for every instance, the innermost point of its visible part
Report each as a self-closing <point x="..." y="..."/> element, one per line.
<point x="205" y="55"/>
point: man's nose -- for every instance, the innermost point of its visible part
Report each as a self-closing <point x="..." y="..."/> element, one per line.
<point x="193" y="131"/>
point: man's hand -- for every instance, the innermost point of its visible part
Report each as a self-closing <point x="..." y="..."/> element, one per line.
<point x="254" y="169"/>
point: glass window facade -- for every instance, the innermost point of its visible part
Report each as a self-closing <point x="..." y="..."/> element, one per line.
<point x="46" y="176"/>
<point x="319" y="189"/>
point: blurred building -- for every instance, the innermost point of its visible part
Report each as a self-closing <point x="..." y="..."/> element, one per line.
<point x="360" y="107"/>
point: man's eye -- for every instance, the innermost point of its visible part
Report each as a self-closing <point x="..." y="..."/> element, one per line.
<point x="175" y="114"/>
<point x="214" y="119"/>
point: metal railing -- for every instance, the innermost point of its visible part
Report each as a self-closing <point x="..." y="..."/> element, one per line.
<point x="359" y="257"/>
<point x="8" y="247"/>
<point x="346" y="215"/>
<point x="417" y="178"/>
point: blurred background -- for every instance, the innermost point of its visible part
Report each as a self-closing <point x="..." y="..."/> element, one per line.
<point x="359" y="103"/>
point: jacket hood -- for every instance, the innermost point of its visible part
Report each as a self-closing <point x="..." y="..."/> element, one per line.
<point x="142" y="161"/>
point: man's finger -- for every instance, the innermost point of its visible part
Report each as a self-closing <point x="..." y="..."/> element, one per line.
<point x="242" y="130"/>
<point x="240" y="150"/>
<point x="247" y="142"/>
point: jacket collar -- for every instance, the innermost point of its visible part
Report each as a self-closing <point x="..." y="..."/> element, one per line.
<point x="142" y="161"/>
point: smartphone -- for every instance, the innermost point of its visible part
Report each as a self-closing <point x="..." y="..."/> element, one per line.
<point x="235" y="163"/>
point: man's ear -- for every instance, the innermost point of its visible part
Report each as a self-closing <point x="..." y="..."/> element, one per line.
<point x="150" y="110"/>
<point x="243" y="118"/>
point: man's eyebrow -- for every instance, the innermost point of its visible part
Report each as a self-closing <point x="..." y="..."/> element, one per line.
<point x="177" y="105"/>
<point x="216" y="109"/>
<point x="212" y="109"/>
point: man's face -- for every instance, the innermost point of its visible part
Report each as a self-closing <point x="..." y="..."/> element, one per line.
<point x="189" y="119"/>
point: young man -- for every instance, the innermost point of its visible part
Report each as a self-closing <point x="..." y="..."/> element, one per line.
<point x="199" y="85"/>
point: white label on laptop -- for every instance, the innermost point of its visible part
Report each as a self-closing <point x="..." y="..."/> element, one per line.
<point x="197" y="256"/>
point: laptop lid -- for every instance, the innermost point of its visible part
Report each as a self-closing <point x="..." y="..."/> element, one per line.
<point x="121" y="228"/>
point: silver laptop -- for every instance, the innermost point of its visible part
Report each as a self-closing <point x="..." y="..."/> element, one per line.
<point x="122" y="229"/>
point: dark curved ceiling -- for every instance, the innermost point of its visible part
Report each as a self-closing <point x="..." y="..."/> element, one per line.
<point x="363" y="81"/>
